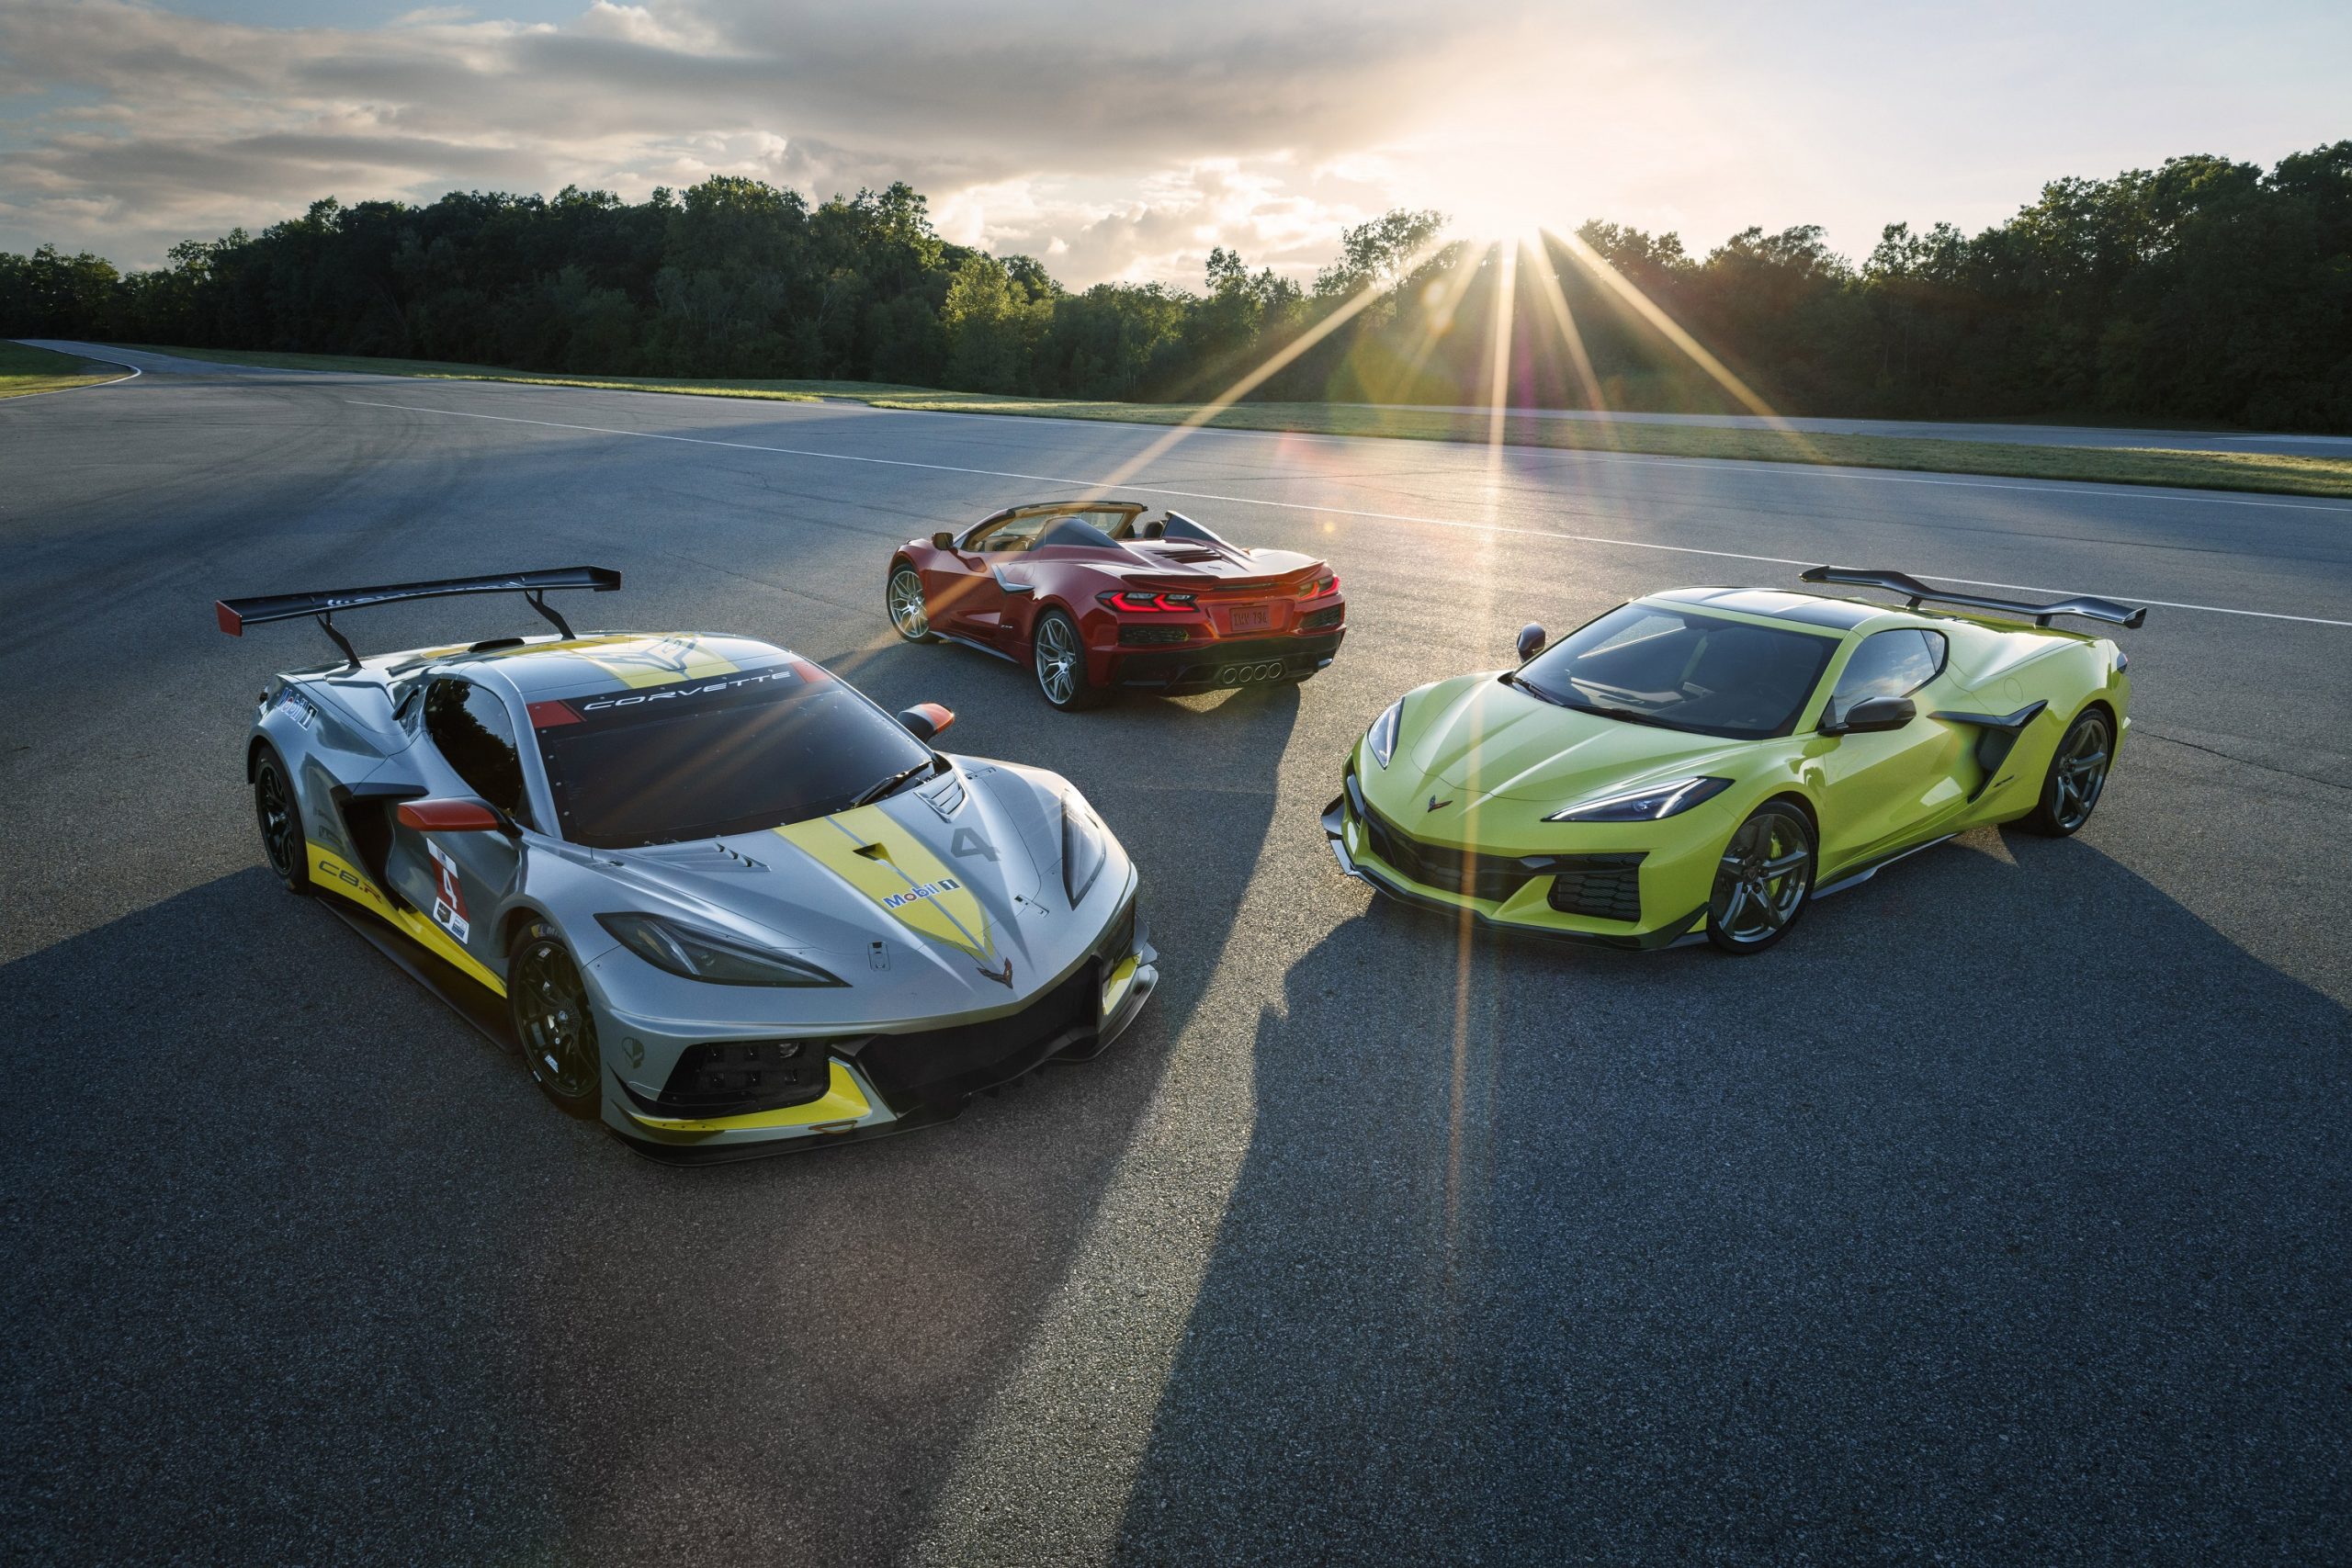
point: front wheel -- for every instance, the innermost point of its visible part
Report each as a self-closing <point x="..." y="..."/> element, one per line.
<point x="2077" y="776"/>
<point x="904" y="598"/>
<point x="1764" y="879"/>
<point x="549" y="1002"/>
<point x="1059" y="659"/>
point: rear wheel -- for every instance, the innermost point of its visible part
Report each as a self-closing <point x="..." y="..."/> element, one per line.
<point x="1764" y="879"/>
<point x="904" y="596"/>
<point x="1059" y="660"/>
<point x="2077" y="775"/>
<point x="280" y="816"/>
<point x="549" y="1002"/>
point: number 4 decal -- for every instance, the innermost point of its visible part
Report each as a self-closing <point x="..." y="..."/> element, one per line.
<point x="449" y="901"/>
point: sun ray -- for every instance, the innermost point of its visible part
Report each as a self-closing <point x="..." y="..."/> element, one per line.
<point x="1548" y="284"/>
<point x="1649" y="311"/>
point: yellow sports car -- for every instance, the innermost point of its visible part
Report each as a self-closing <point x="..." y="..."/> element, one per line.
<point x="1708" y="759"/>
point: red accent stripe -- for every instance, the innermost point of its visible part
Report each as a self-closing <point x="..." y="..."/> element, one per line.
<point x="230" y="622"/>
<point x="547" y="715"/>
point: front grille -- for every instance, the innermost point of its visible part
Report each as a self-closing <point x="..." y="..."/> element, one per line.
<point x="1316" y="620"/>
<point x="1441" y="866"/>
<point x="741" y="1077"/>
<point x="1602" y="887"/>
<point x="935" y="1065"/>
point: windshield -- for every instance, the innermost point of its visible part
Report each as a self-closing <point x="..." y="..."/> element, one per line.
<point x="703" y="759"/>
<point x="1681" y="671"/>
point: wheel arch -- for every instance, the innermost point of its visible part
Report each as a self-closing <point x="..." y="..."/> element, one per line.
<point x="1803" y="803"/>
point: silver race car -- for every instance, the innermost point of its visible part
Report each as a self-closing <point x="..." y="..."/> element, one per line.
<point x="722" y="901"/>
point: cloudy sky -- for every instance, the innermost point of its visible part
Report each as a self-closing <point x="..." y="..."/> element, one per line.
<point x="1123" y="140"/>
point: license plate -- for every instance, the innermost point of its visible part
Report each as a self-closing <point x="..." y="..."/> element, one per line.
<point x="1252" y="618"/>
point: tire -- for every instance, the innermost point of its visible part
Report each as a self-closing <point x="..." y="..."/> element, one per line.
<point x="1754" y="904"/>
<point x="903" y="602"/>
<point x="547" y="1001"/>
<point x="2077" y="775"/>
<point x="1057" y="660"/>
<point x="277" y="811"/>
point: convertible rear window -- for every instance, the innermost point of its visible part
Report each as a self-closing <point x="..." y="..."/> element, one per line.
<point x="701" y="758"/>
<point x="1679" y="670"/>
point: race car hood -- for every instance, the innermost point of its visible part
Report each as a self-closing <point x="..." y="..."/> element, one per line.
<point x="935" y="883"/>
<point x="1478" y="735"/>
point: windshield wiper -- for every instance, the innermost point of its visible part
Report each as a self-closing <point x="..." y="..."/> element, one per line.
<point x="927" y="765"/>
<point x="1513" y="678"/>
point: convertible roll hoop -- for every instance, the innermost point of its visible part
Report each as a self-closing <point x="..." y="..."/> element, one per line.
<point x="236" y="614"/>
<point x="1916" y="592"/>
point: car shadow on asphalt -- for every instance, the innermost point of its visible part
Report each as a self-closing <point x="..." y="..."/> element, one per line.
<point x="1999" y="1214"/>
<point x="313" y="1261"/>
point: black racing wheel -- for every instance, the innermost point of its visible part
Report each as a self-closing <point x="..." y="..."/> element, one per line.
<point x="1059" y="659"/>
<point x="549" y="1002"/>
<point x="904" y="598"/>
<point x="1764" y="879"/>
<point x="2077" y="775"/>
<point x="279" y="813"/>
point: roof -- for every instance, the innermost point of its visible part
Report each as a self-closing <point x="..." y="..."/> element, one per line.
<point x="1804" y="609"/>
<point x="599" y="661"/>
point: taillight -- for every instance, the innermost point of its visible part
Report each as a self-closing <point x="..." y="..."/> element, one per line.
<point x="1132" y="602"/>
<point x="1327" y="583"/>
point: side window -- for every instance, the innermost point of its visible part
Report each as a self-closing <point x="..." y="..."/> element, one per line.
<point x="1890" y="664"/>
<point x="469" y="727"/>
<point x="1013" y="534"/>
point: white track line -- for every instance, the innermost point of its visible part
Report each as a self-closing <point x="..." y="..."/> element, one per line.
<point x="2093" y="489"/>
<point x="1302" y="506"/>
<point x="94" y="386"/>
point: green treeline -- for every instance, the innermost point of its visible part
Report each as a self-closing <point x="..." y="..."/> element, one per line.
<point x="2205" y="291"/>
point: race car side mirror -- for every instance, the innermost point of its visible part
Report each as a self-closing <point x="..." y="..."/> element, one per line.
<point x="943" y="540"/>
<point x="453" y="814"/>
<point x="926" y="720"/>
<point x="1872" y="716"/>
<point x="1531" y="641"/>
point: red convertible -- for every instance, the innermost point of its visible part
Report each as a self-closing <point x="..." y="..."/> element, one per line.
<point x="1094" y="600"/>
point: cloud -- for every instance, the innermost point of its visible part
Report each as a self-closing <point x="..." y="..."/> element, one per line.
<point x="1033" y="125"/>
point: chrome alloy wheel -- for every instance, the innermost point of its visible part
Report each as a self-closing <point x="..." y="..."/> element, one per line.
<point x="1057" y="660"/>
<point x="908" y="612"/>
<point x="2080" y="772"/>
<point x="1763" y="879"/>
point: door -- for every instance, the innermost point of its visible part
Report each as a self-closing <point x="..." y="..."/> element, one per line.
<point x="459" y="880"/>
<point x="1882" y="792"/>
<point x="974" y="603"/>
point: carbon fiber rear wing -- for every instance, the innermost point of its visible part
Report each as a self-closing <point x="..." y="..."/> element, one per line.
<point x="1916" y="592"/>
<point x="236" y="614"/>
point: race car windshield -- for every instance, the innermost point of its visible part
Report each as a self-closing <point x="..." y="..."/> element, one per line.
<point x="734" y="754"/>
<point x="1644" y="664"/>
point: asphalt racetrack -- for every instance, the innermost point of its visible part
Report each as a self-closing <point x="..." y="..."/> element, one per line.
<point x="2003" y="1215"/>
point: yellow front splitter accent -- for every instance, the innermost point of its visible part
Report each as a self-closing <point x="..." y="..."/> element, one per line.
<point x="842" y="1101"/>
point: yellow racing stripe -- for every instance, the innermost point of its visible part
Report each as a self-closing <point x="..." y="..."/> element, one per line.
<point x="868" y="850"/>
<point x="336" y="875"/>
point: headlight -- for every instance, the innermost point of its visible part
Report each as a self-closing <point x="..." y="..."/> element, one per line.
<point x="1381" y="737"/>
<point x="1645" y="804"/>
<point x="705" y="955"/>
<point x="1083" y="851"/>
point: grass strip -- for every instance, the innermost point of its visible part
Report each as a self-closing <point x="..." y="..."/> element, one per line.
<point x="2269" y="472"/>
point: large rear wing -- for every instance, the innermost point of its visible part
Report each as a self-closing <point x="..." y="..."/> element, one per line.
<point x="1914" y="591"/>
<point x="236" y="614"/>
